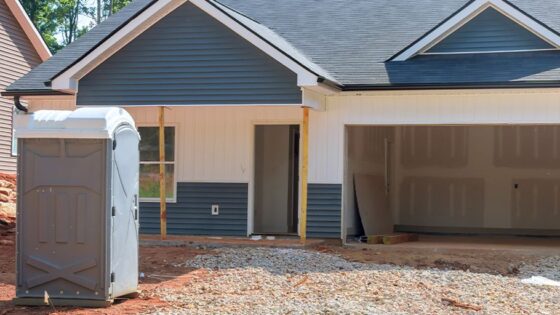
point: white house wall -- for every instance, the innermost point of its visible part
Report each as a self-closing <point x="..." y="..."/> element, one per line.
<point x="215" y="144"/>
<point x="476" y="107"/>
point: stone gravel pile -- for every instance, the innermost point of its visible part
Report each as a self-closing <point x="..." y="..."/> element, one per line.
<point x="548" y="267"/>
<point x="297" y="281"/>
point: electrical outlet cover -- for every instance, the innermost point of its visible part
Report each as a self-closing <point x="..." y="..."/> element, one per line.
<point x="215" y="210"/>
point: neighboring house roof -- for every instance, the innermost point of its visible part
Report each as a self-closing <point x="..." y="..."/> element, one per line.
<point x="351" y="43"/>
<point x="29" y="28"/>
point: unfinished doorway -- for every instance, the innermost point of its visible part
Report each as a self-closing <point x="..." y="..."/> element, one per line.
<point x="276" y="179"/>
<point x="455" y="179"/>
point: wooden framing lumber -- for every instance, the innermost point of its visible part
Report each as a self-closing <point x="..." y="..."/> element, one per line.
<point x="399" y="238"/>
<point x="304" y="175"/>
<point x="162" y="179"/>
<point x="391" y="239"/>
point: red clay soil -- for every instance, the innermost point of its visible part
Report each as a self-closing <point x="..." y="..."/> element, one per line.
<point x="161" y="266"/>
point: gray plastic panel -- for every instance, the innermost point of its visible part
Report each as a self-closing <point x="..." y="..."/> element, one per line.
<point x="324" y="207"/>
<point x="191" y="214"/>
<point x="62" y="216"/>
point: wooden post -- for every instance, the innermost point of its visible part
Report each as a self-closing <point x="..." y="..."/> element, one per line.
<point x="162" y="186"/>
<point x="304" y="174"/>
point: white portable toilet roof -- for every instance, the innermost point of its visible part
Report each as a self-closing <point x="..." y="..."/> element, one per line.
<point x="82" y="123"/>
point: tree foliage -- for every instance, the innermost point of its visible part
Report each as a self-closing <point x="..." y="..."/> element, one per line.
<point x="60" y="22"/>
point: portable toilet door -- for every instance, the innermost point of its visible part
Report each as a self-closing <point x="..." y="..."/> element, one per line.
<point x="125" y="211"/>
<point x="77" y="221"/>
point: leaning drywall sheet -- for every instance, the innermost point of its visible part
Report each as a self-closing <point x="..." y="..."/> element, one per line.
<point x="373" y="204"/>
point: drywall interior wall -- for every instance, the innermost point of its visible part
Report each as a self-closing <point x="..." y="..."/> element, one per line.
<point x="365" y="154"/>
<point x="503" y="177"/>
<point x="272" y="176"/>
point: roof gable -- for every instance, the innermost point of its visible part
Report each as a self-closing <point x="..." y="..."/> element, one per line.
<point x="490" y="17"/>
<point x="189" y="58"/>
<point x="490" y="31"/>
<point x="352" y="43"/>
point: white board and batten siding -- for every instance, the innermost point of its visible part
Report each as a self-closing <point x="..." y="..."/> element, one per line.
<point x="215" y="144"/>
<point x="476" y="107"/>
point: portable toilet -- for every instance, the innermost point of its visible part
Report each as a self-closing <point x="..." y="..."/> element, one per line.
<point x="77" y="207"/>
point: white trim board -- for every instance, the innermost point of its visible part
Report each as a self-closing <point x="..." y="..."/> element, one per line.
<point x="29" y="29"/>
<point x="467" y="14"/>
<point x="67" y="81"/>
<point x="175" y="161"/>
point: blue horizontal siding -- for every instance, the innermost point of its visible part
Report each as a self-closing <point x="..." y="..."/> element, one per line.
<point x="324" y="203"/>
<point x="490" y="31"/>
<point x="190" y="215"/>
<point x="189" y="58"/>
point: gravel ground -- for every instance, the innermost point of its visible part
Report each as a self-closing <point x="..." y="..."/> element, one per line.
<point x="548" y="267"/>
<point x="295" y="281"/>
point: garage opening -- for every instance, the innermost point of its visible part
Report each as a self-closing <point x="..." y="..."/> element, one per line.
<point x="479" y="180"/>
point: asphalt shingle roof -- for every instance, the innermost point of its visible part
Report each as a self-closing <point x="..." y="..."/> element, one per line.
<point x="36" y="79"/>
<point x="352" y="40"/>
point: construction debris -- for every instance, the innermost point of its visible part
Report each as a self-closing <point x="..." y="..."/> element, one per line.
<point x="462" y="305"/>
<point x="390" y="239"/>
<point x="538" y="280"/>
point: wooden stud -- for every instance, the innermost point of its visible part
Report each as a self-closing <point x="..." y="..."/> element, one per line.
<point x="304" y="175"/>
<point x="162" y="186"/>
<point x="399" y="238"/>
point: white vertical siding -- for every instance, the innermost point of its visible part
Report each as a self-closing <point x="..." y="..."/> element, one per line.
<point x="215" y="144"/>
<point x="481" y="107"/>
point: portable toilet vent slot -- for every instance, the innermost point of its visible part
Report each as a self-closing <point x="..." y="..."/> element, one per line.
<point x="70" y="178"/>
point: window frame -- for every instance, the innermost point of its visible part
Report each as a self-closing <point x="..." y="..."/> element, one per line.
<point x="174" y="163"/>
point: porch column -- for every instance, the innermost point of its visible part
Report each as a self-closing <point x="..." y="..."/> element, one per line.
<point x="304" y="174"/>
<point x="162" y="186"/>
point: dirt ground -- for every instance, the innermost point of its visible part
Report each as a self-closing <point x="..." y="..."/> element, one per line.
<point x="163" y="267"/>
<point x="160" y="266"/>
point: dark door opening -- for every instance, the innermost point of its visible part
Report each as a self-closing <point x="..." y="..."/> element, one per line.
<point x="276" y="179"/>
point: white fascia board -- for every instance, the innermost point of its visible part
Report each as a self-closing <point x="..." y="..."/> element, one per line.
<point x="304" y="76"/>
<point x="29" y="29"/>
<point x="68" y="80"/>
<point x="467" y="14"/>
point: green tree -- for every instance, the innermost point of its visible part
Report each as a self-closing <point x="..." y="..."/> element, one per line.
<point x="58" y="21"/>
<point x="68" y="13"/>
<point x="104" y="8"/>
<point x="42" y="14"/>
<point x="117" y="5"/>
